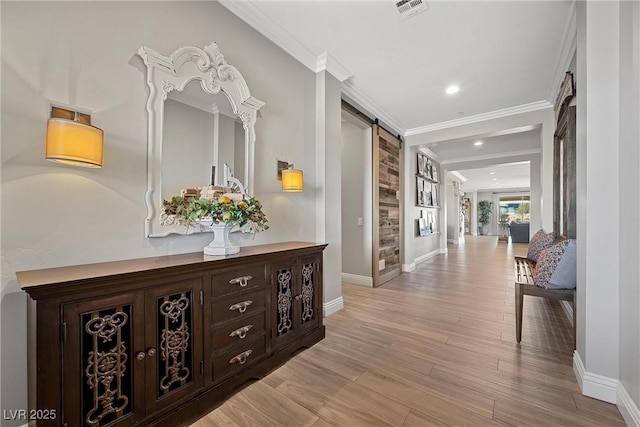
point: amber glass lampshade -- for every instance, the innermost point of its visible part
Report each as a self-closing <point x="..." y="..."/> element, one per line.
<point x="292" y="180"/>
<point x="73" y="143"/>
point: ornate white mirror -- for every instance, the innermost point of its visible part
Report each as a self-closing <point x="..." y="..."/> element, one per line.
<point x="201" y="116"/>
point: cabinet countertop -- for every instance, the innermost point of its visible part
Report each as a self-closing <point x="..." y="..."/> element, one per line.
<point x="48" y="276"/>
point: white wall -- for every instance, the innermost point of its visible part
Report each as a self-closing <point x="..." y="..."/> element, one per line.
<point x="418" y="248"/>
<point x="328" y="158"/>
<point x="598" y="200"/>
<point x="357" y="240"/>
<point x="452" y="213"/>
<point x="473" y="197"/>
<point x="607" y="359"/>
<point x="83" y="54"/>
<point x="630" y="201"/>
<point x="536" y="197"/>
<point x="489" y="229"/>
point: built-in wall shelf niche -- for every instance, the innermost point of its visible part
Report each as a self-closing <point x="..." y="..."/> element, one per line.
<point x="427" y="179"/>
<point x="427" y="196"/>
<point x="427" y="224"/>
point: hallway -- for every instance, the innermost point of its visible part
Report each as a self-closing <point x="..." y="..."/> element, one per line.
<point x="432" y="347"/>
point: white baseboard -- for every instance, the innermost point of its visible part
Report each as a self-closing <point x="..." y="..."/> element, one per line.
<point x="607" y="389"/>
<point x="425" y="257"/>
<point x="595" y="385"/>
<point x="444" y="250"/>
<point x="333" y="306"/>
<point x="628" y="407"/>
<point x="451" y="241"/>
<point x="567" y="307"/>
<point x="408" y="268"/>
<point x="357" y="280"/>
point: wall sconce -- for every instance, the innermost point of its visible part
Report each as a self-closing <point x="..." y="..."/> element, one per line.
<point x="292" y="179"/>
<point x="72" y="140"/>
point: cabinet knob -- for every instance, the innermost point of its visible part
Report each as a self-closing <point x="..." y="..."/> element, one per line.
<point x="151" y="352"/>
<point x="298" y="297"/>
<point x="140" y="355"/>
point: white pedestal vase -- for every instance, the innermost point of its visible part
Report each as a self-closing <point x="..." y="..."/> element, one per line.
<point x="221" y="245"/>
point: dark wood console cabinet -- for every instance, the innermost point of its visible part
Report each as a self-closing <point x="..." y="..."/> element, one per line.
<point x="164" y="340"/>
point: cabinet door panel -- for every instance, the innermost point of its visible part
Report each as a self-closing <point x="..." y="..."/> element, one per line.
<point x="297" y="289"/>
<point x="101" y="375"/>
<point x="174" y="342"/>
<point x="283" y="279"/>
<point x="309" y="295"/>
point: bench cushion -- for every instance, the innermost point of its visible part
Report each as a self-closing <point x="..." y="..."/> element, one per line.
<point x="564" y="276"/>
<point x="547" y="263"/>
<point x="540" y="241"/>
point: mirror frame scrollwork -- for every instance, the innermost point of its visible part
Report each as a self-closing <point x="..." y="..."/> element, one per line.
<point x="166" y="74"/>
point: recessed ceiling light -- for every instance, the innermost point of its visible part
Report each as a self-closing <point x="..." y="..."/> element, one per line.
<point x="492" y="173"/>
<point x="478" y="143"/>
<point x="495" y="179"/>
<point x="452" y="89"/>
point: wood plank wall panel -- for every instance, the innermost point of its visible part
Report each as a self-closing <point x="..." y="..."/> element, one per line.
<point x="387" y="205"/>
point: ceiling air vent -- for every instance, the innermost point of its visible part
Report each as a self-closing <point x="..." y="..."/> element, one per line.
<point x="408" y="8"/>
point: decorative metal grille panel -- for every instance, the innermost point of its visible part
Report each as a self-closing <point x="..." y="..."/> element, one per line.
<point x="285" y="289"/>
<point x="307" y="292"/>
<point x="108" y="383"/>
<point x="175" y="361"/>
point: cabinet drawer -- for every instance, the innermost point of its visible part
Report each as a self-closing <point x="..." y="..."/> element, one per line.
<point x="238" y="331"/>
<point x="238" y="357"/>
<point x="225" y="282"/>
<point x="238" y="306"/>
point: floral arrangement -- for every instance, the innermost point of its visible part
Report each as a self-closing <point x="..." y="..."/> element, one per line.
<point x="245" y="213"/>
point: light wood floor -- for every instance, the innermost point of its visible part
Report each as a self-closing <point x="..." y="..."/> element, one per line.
<point x="433" y="347"/>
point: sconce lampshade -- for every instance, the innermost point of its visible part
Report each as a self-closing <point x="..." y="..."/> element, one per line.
<point x="292" y="180"/>
<point x="73" y="143"/>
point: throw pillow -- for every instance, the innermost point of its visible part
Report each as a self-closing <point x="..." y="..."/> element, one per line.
<point x="564" y="277"/>
<point x="547" y="263"/>
<point x="538" y="243"/>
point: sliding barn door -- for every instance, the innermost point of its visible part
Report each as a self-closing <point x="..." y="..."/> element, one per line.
<point x="387" y="206"/>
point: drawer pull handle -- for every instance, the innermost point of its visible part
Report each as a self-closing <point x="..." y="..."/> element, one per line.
<point x="140" y="355"/>
<point x="241" y="332"/>
<point x="241" y="306"/>
<point x="241" y="358"/>
<point x="242" y="281"/>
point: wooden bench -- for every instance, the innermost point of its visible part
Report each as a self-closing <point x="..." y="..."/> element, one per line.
<point x="525" y="273"/>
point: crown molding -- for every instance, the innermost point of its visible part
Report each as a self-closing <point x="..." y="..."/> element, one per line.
<point x="369" y="107"/>
<point x="524" y="108"/>
<point x="265" y="25"/>
<point x="326" y="62"/>
<point x="569" y="46"/>
<point x="261" y="22"/>
<point x="458" y="175"/>
<point x="492" y="156"/>
<point x="429" y="153"/>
